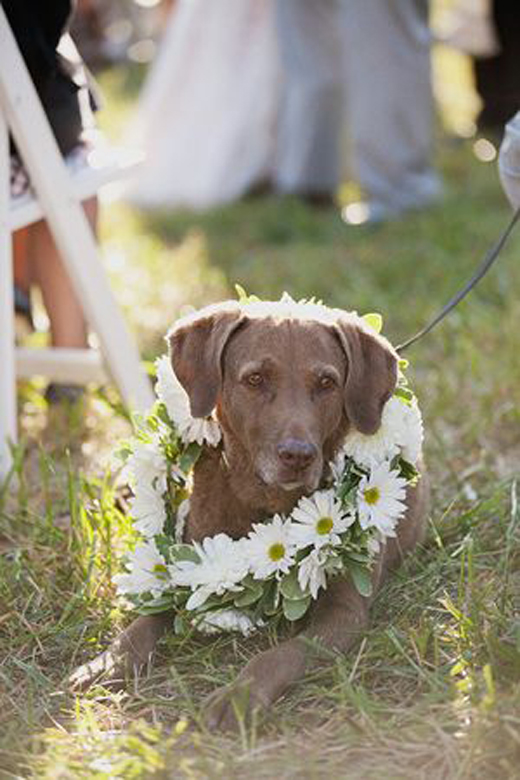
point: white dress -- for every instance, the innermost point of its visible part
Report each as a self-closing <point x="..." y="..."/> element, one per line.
<point x="206" y="117"/>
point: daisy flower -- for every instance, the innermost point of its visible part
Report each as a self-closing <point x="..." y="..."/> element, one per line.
<point x="375" y="543"/>
<point x="147" y="571"/>
<point x="319" y="520"/>
<point x="311" y="572"/>
<point x="380" y="499"/>
<point x="183" y="511"/>
<point x="270" y="548"/>
<point x="148" y="510"/>
<point x="220" y="568"/>
<point x="400" y="430"/>
<point x="147" y="465"/>
<point x="412" y="432"/>
<point x="174" y="397"/>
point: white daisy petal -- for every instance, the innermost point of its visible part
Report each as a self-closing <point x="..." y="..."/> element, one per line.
<point x="221" y="568"/>
<point x="147" y="572"/>
<point x="311" y="573"/>
<point x="148" y="510"/>
<point x="198" y="597"/>
<point x="147" y="465"/>
<point x="401" y="430"/>
<point x="412" y="433"/>
<point x="174" y="397"/>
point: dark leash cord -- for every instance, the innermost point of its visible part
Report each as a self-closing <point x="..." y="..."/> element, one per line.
<point x="481" y="271"/>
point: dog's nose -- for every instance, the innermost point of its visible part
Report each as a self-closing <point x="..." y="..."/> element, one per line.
<point x="296" y="454"/>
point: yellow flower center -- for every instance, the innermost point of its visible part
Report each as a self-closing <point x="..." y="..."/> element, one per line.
<point x="324" y="525"/>
<point x="276" y="551"/>
<point x="160" y="568"/>
<point x="372" y="495"/>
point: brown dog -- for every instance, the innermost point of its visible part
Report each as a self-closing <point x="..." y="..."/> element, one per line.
<point x="286" y="388"/>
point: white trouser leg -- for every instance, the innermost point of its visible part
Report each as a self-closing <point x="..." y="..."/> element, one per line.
<point x="386" y="66"/>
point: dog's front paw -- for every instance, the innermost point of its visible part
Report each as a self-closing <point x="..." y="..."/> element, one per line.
<point x="109" y="669"/>
<point x="227" y="708"/>
<point x="127" y="656"/>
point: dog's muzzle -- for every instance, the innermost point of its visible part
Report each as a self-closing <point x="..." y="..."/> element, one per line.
<point x="294" y="464"/>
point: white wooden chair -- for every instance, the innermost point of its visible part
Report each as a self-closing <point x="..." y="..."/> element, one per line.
<point x="58" y="198"/>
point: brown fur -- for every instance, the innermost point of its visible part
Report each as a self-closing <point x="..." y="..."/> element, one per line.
<point x="286" y="390"/>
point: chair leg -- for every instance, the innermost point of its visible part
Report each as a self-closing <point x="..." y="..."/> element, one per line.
<point x="7" y="358"/>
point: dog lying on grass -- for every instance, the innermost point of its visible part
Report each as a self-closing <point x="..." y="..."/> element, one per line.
<point x="286" y="391"/>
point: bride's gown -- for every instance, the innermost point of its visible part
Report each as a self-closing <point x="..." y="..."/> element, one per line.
<point x="207" y="112"/>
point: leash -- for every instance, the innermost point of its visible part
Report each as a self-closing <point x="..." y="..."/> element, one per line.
<point x="481" y="271"/>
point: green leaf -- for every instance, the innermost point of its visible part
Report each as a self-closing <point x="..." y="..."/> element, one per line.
<point x="374" y="320"/>
<point x="361" y="578"/>
<point x="124" y="452"/>
<point x="290" y="587"/>
<point x="190" y="456"/>
<point x="243" y="297"/>
<point x="270" y="602"/>
<point x="253" y="590"/>
<point x="251" y="584"/>
<point x="247" y="597"/>
<point x="408" y="471"/>
<point x="184" y="552"/>
<point x="177" y="494"/>
<point x="162" y="414"/>
<point x="358" y="558"/>
<point x="152" y="423"/>
<point x="214" y="602"/>
<point x="179" y="624"/>
<point x="405" y="394"/>
<point x="294" y="610"/>
<point x="155" y="606"/>
<point x="241" y="293"/>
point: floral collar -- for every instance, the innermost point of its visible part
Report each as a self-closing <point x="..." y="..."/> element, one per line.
<point x="281" y="566"/>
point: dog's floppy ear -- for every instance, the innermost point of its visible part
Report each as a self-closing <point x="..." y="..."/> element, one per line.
<point x="196" y="348"/>
<point x="372" y="372"/>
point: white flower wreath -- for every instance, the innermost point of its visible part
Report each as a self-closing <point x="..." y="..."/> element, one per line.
<point x="281" y="566"/>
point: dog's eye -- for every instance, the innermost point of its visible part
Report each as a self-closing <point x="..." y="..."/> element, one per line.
<point x="326" y="383"/>
<point x="254" y="380"/>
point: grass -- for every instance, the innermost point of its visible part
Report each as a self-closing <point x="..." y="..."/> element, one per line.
<point x="433" y="690"/>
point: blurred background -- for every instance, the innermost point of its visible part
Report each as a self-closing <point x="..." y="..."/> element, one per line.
<point x="185" y="248"/>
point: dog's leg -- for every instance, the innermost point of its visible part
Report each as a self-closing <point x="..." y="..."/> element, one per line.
<point x="337" y="621"/>
<point x="128" y="654"/>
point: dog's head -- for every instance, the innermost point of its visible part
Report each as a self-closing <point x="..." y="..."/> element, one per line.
<point x="287" y="380"/>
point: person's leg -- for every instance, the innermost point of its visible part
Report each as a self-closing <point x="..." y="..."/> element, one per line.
<point x="67" y="323"/>
<point x="389" y="101"/>
<point x="20" y="260"/>
<point x="22" y="284"/>
<point x="311" y="106"/>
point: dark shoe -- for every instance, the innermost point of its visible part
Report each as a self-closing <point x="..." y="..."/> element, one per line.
<point x="261" y="189"/>
<point x="57" y="393"/>
<point x="318" y="200"/>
